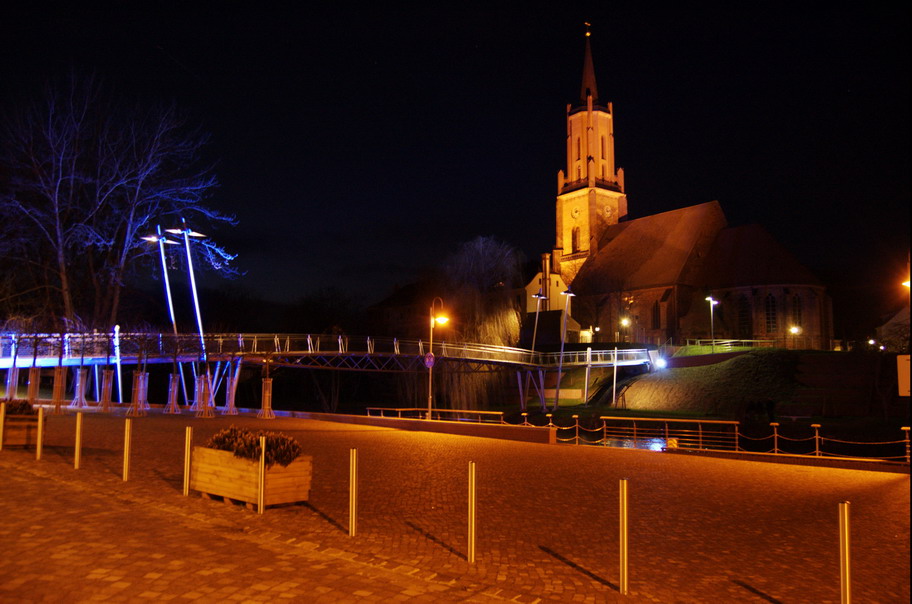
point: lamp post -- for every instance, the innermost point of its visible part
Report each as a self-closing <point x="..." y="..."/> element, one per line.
<point x="429" y="357"/>
<point x="187" y="234"/>
<point x="560" y="364"/>
<point x="161" y="240"/>
<point x="538" y="300"/>
<point x="712" y="326"/>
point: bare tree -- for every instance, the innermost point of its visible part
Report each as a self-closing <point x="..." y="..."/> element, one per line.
<point x="87" y="177"/>
<point x="481" y="279"/>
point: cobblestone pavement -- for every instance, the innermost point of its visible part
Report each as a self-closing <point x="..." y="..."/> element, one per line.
<point x="701" y="529"/>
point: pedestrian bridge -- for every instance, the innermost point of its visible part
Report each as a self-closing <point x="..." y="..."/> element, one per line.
<point x="315" y="351"/>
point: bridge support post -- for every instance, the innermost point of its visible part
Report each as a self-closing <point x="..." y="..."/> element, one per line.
<point x="203" y="398"/>
<point x="136" y="404"/>
<point x="79" y="399"/>
<point x="172" y="407"/>
<point x="107" y="386"/>
<point x="59" y="388"/>
<point x="266" y="408"/>
<point x="12" y="382"/>
<point x="34" y="381"/>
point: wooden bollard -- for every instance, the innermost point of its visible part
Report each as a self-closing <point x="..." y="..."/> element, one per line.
<point x="126" y="461"/>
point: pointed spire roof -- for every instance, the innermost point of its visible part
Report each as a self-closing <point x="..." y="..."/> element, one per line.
<point x="589" y="86"/>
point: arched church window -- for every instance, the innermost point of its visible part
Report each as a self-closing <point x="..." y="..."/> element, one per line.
<point x="574" y="240"/>
<point x="656" y="315"/>
<point x="604" y="155"/>
<point x="772" y="320"/>
<point x="578" y="149"/>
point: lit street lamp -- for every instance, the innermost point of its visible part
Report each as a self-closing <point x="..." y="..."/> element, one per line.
<point x="712" y="326"/>
<point x="187" y="234"/>
<point x="538" y="300"/>
<point x="625" y="323"/>
<point x="429" y="357"/>
<point x="560" y="364"/>
<point x="161" y="240"/>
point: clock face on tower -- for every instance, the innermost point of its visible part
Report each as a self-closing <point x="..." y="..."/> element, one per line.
<point x="575" y="212"/>
<point x="607" y="211"/>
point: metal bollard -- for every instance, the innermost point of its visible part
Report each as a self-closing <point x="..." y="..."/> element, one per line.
<point x="77" y="449"/>
<point x="623" y="536"/>
<point x="128" y="427"/>
<point x="775" y="426"/>
<point x="352" y="492"/>
<point x="845" y="575"/>
<point x="261" y="478"/>
<point x="471" y="553"/>
<point x="39" y="441"/>
<point x="816" y="428"/>
<point x="188" y="441"/>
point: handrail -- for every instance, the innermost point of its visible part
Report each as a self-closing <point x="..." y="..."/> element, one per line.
<point x="27" y="348"/>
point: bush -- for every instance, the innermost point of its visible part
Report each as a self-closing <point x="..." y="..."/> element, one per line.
<point x="280" y="448"/>
<point x="20" y="408"/>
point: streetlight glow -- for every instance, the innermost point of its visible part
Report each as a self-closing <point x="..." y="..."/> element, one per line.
<point x="569" y="294"/>
<point x="712" y="326"/>
<point x="435" y="319"/>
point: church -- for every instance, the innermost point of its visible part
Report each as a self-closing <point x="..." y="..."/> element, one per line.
<point x="666" y="279"/>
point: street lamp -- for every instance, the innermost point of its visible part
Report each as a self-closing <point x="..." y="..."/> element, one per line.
<point x="161" y="240"/>
<point x="712" y="325"/>
<point x="429" y="357"/>
<point x="625" y="323"/>
<point x="539" y="297"/>
<point x="560" y="365"/>
<point x="187" y="234"/>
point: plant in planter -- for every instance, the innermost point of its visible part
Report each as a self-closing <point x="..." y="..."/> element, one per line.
<point x="228" y="466"/>
<point x="20" y="425"/>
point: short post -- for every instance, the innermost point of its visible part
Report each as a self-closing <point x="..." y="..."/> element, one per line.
<point x="549" y="416"/>
<point x="2" y="422"/>
<point x="775" y="426"/>
<point x="845" y="576"/>
<point x="352" y="492"/>
<point x="126" y="462"/>
<point x="261" y="478"/>
<point x="471" y="553"/>
<point x="40" y="438"/>
<point x="623" y="536"/>
<point x="77" y="452"/>
<point x="816" y="428"/>
<point x="576" y="427"/>
<point x="188" y="441"/>
<point x="525" y="417"/>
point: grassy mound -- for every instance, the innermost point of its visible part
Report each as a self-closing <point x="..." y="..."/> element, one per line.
<point x="730" y="389"/>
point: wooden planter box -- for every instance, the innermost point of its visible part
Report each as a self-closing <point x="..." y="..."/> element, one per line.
<point x="216" y="472"/>
<point x="20" y="430"/>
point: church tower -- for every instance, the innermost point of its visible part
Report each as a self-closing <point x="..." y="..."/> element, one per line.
<point x="590" y="192"/>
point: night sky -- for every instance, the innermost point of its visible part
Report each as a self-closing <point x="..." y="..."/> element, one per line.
<point x="357" y="148"/>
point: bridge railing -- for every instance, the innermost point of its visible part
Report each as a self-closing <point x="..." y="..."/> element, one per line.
<point x="143" y="346"/>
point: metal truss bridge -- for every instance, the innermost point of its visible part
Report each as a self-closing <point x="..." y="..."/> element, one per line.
<point x="313" y="351"/>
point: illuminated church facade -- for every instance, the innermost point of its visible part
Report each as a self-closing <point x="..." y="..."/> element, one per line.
<point x="648" y="279"/>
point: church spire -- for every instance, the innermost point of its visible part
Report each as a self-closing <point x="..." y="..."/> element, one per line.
<point x="589" y="87"/>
